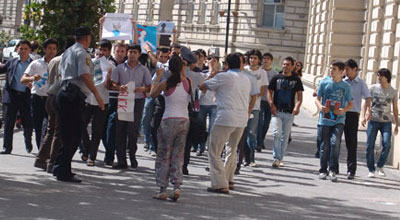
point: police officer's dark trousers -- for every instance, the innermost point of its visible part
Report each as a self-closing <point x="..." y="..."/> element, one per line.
<point x="70" y="105"/>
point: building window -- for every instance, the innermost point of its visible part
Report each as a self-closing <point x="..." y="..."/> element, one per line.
<point x="215" y="12"/>
<point x="273" y="14"/>
<point x="202" y="11"/>
<point x="189" y="12"/>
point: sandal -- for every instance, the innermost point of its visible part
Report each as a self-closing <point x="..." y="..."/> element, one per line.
<point x="175" y="195"/>
<point x="220" y="190"/>
<point x="160" y="196"/>
<point x="90" y="163"/>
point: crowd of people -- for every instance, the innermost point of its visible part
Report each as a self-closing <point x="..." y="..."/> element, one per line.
<point x="180" y="95"/>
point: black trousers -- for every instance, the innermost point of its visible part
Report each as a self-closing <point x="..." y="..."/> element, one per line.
<point x="40" y="118"/>
<point x="351" y="137"/>
<point x="94" y="114"/>
<point x="70" y="105"/>
<point x="243" y="150"/>
<point x="127" y="132"/>
<point x="20" y="102"/>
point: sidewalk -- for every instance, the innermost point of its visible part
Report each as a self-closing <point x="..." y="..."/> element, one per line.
<point x="291" y="192"/>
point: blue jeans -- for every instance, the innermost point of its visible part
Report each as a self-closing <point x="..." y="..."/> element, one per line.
<point x="146" y="120"/>
<point x="252" y="125"/>
<point x="386" y="131"/>
<point x="263" y="122"/>
<point x="211" y="112"/>
<point x="281" y="126"/>
<point x="330" y="147"/>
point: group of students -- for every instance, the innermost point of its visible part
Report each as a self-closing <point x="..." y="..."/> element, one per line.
<point x="339" y="99"/>
<point x="241" y="98"/>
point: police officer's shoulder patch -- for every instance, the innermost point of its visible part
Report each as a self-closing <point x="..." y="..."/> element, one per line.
<point x="88" y="61"/>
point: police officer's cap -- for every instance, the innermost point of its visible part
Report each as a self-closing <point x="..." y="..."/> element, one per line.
<point x="82" y="31"/>
<point x="187" y="55"/>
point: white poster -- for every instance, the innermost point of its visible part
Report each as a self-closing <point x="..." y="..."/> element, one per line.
<point x="117" y="27"/>
<point x="126" y="103"/>
<point x="101" y="66"/>
<point x="165" y="28"/>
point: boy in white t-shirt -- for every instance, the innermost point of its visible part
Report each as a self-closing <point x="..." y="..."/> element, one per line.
<point x="35" y="77"/>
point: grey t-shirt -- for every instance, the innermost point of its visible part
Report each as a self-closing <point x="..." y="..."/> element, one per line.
<point x="270" y="74"/>
<point x="382" y="103"/>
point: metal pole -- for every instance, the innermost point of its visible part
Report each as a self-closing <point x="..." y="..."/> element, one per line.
<point x="228" y="19"/>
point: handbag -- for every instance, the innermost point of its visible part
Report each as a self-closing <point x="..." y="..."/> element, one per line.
<point x="197" y="129"/>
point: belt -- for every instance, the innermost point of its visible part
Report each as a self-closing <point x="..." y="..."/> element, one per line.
<point x="284" y="111"/>
<point x="39" y="96"/>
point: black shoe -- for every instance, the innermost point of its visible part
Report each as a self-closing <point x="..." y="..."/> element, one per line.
<point x="237" y="172"/>
<point x="199" y="153"/>
<point x="5" y="152"/>
<point x="350" y="175"/>
<point x="108" y="163"/>
<point x="317" y="154"/>
<point x="28" y="148"/>
<point x="40" y="164"/>
<point x="258" y="148"/>
<point x="207" y="169"/>
<point x="134" y="163"/>
<point x="246" y="164"/>
<point x="185" y="171"/>
<point x="120" y="166"/>
<point x="71" y="179"/>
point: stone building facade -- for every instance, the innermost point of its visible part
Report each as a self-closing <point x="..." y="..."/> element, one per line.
<point x="11" y="16"/>
<point x="365" y="30"/>
<point x="276" y="26"/>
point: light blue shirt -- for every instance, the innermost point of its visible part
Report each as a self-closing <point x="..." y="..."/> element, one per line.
<point x="334" y="95"/>
<point x="19" y="72"/>
<point x="359" y="90"/>
<point x="75" y="62"/>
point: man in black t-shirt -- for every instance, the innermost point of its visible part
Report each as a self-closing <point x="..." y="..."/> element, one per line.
<point x="282" y="90"/>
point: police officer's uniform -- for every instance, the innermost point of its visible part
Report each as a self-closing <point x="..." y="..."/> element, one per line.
<point x="70" y="101"/>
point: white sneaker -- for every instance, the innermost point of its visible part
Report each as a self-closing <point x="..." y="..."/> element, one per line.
<point x="371" y="174"/>
<point x="332" y="176"/>
<point x="252" y="164"/>
<point x="380" y="172"/>
<point x="275" y="164"/>
<point x="281" y="164"/>
<point x="322" y="176"/>
<point x="153" y="154"/>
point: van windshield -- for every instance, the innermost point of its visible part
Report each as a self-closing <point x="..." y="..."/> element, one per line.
<point x="12" y="43"/>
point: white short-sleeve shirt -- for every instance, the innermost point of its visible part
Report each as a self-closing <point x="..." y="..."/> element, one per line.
<point x="39" y="66"/>
<point x="232" y="91"/>
<point x="262" y="80"/>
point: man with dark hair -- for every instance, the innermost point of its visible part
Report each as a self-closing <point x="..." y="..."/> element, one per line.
<point x="36" y="76"/>
<point x="333" y="100"/>
<point x="261" y="77"/>
<point x="281" y="97"/>
<point x="232" y="92"/>
<point x="126" y="131"/>
<point x="359" y="90"/>
<point x="76" y="70"/>
<point x="16" y="97"/>
<point x="34" y="50"/>
<point x="380" y="118"/>
<point x="120" y="57"/>
<point x="265" y="110"/>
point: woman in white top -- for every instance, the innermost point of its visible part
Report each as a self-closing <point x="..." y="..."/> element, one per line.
<point x="173" y="129"/>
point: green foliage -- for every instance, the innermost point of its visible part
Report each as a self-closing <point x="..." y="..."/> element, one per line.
<point x="59" y="18"/>
<point x="4" y="38"/>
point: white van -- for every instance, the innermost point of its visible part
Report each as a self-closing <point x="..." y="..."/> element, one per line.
<point x="11" y="50"/>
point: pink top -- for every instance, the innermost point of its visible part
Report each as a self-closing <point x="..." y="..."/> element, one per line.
<point x="176" y="101"/>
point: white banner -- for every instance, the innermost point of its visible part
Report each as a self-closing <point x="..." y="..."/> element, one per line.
<point x="117" y="27"/>
<point x="126" y="103"/>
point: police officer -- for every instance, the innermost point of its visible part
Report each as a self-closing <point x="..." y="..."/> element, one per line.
<point x="77" y="82"/>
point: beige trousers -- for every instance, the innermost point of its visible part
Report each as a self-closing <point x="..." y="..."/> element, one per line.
<point x="221" y="174"/>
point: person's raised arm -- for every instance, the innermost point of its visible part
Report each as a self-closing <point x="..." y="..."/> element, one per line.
<point x="101" y="22"/>
<point x="157" y="86"/>
<point x="134" y="32"/>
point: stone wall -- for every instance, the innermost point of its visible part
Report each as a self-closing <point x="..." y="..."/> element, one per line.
<point x="11" y="16"/>
<point x="365" y="30"/>
<point x="245" y="29"/>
